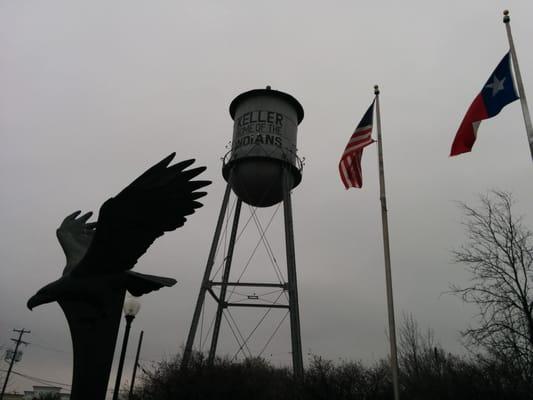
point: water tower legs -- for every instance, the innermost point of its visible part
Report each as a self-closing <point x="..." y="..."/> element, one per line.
<point x="208" y="283"/>
<point x="296" y="339"/>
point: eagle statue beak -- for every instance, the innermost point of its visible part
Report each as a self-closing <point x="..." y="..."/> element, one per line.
<point x="33" y="302"/>
<point x="41" y="297"/>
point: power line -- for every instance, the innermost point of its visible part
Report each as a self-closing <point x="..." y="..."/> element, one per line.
<point x="46" y="382"/>
<point x="50" y="348"/>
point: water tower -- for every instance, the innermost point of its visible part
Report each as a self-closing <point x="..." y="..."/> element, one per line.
<point x="261" y="169"/>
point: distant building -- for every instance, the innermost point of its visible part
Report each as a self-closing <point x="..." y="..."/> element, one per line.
<point x="41" y="390"/>
<point x="13" y="396"/>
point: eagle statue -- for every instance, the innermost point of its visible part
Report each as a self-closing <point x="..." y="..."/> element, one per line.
<point x="99" y="259"/>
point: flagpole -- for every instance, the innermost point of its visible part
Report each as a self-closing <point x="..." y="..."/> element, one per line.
<point x="519" y="84"/>
<point x="386" y="250"/>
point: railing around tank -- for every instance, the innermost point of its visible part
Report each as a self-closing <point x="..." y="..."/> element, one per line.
<point x="293" y="159"/>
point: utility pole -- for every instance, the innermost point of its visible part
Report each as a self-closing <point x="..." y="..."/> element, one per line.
<point x="18" y="341"/>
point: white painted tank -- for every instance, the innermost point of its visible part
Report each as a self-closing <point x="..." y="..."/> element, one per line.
<point x="264" y="144"/>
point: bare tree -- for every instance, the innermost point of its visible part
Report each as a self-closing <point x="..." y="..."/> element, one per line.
<point x="499" y="255"/>
<point x="418" y="349"/>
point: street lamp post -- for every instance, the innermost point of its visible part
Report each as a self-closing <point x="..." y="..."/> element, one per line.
<point x="131" y="308"/>
<point x="132" y="384"/>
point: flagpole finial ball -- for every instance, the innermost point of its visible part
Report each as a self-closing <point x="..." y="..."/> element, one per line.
<point x="376" y="89"/>
<point x="506" y="17"/>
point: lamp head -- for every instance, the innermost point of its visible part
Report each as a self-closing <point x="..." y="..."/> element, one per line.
<point x="131" y="306"/>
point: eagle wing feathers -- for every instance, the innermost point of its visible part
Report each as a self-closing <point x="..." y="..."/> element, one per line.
<point x="156" y="202"/>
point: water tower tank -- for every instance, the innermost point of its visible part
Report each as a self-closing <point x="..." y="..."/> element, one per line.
<point x="263" y="146"/>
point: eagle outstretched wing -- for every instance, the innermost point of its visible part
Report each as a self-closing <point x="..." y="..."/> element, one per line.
<point x="75" y="235"/>
<point x="156" y="202"/>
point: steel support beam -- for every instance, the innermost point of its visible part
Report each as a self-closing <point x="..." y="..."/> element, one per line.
<point x="252" y="284"/>
<point x="205" y="281"/>
<point x="296" y="341"/>
<point x="257" y="305"/>
<point x="224" y="286"/>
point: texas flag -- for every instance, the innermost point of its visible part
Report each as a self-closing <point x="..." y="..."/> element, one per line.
<point x="496" y="94"/>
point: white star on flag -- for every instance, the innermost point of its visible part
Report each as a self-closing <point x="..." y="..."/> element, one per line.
<point x="496" y="85"/>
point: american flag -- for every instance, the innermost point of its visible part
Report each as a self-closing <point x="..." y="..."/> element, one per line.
<point x="350" y="164"/>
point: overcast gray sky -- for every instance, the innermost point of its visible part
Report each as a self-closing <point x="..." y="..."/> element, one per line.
<point x="94" y="92"/>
